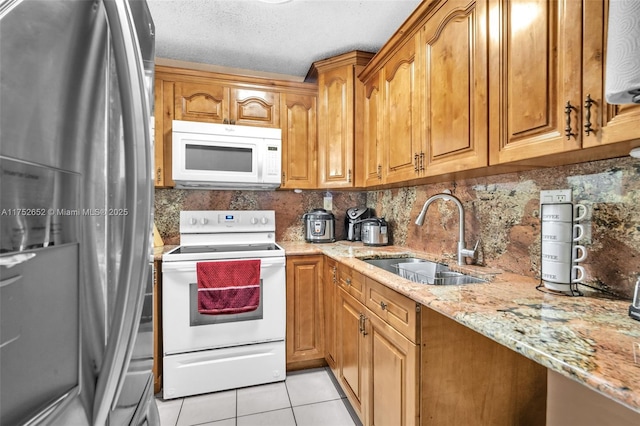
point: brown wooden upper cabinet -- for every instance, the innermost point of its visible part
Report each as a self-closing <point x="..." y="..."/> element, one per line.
<point x="427" y="91"/>
<point x="403" y="153"/>
<point x="465" y="84"/>
<point x="371" y="146"/>
<point x="547" y="62"/>
<point x="218" y="103"/>
<point x="453" y="55"/>
<point x="299" y="141"/>
<point x="193" y="95"/>
<point x="535" y="58"/>
<point x="602" y="123"/>
<point x="339" y="109"/>
<point x="200" y="101"/>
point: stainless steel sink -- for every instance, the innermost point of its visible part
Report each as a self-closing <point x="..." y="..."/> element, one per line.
<point x="423" y="271"/>
<point x="454" y="278"/>
<point x="391" y="264"/>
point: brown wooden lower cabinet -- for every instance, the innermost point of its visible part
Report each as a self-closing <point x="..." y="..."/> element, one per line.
<point x="468" y="379"/>
<point x="378" y="368"/>
<point x="393" y="376"/>
<point x="305" y="317"/>
<point x="402" y="364"/>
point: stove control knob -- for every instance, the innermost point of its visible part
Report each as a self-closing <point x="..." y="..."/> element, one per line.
<point x="254" y="220"/>
<point x="193" y="221"/>
<point x="204" y="221"/>
<point x="264" y="220"/>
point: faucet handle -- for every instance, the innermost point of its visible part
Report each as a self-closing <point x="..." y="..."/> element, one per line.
<point x="475" y="250"/>
<point x="472" y="253"/>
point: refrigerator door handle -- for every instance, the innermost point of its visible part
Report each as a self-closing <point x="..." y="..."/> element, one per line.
<point x="137" y="231"/>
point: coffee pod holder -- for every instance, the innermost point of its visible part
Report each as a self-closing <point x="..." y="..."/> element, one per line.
<point x="555" y="268"/>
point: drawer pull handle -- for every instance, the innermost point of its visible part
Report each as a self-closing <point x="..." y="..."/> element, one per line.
<point x="383" y="306"/>
<point x="348" y="281"/>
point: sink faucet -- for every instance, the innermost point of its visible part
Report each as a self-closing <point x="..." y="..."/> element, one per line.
<point x="462" y="251"/>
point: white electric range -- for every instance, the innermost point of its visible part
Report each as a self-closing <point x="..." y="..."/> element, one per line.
<point x="207" y="353"/>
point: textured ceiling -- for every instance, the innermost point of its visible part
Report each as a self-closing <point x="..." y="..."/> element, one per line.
<point x="275" y="38"/>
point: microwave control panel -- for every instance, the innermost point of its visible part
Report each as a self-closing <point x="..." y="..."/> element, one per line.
<point x="272" y="162"/>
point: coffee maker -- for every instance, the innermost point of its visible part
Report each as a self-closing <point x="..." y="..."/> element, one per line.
<point x="352" y="222"/>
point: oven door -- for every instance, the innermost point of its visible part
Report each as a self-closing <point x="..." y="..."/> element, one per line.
<point x="185" y="330"/>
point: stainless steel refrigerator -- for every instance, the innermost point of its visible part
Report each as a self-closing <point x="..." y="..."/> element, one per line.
<point x="76" y="197"/>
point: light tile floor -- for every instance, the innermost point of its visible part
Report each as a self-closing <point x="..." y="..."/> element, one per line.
<point x="305" y="398"/>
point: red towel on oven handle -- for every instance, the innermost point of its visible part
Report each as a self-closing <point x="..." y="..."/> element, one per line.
<point x="228" y="287"/>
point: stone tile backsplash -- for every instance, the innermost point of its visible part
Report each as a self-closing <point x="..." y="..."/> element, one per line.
<point x="502" y="212"/>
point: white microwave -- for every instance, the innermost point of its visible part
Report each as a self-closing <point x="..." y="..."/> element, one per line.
<point x="223" y="156"/>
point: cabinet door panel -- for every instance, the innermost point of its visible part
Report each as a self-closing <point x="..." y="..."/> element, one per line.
<point x="299" y="147"/>
<point x="200" y="102"/>
<point x="304" y="309"/>
<point x="254" y="108"/>
<point x="387" y="369"/>
<point x="335" y="134"/>
<point x="454" y="49"/>
<point x="393" y="376"/>
<point x="402" y="140"/>
<point x="449" y="87"/>
<point x="372" y="132"/>
<point x="610" y="123"/>
<point x="526" y="78"/>
<point x="351" y="350"/>
<point x="531" y="90"/>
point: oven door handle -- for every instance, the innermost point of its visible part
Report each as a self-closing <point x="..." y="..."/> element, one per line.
<point x="191" y="266"/>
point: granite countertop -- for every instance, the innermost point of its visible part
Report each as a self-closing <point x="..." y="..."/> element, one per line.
<point x="590" y="339"/>
<point x="158" y="251"/>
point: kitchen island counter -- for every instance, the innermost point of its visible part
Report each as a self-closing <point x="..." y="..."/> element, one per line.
<point x="589" y="339"/>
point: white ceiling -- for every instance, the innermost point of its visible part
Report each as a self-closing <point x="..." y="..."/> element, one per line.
<point x="273" y="38"/>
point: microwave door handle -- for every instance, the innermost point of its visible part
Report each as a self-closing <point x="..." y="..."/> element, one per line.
<point x="261" y="158"/>
<point x="137" y="228"/>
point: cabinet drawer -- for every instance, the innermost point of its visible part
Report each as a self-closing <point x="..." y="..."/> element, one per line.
<point x="351" y="281"/>
<point x="397" y="310"/>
